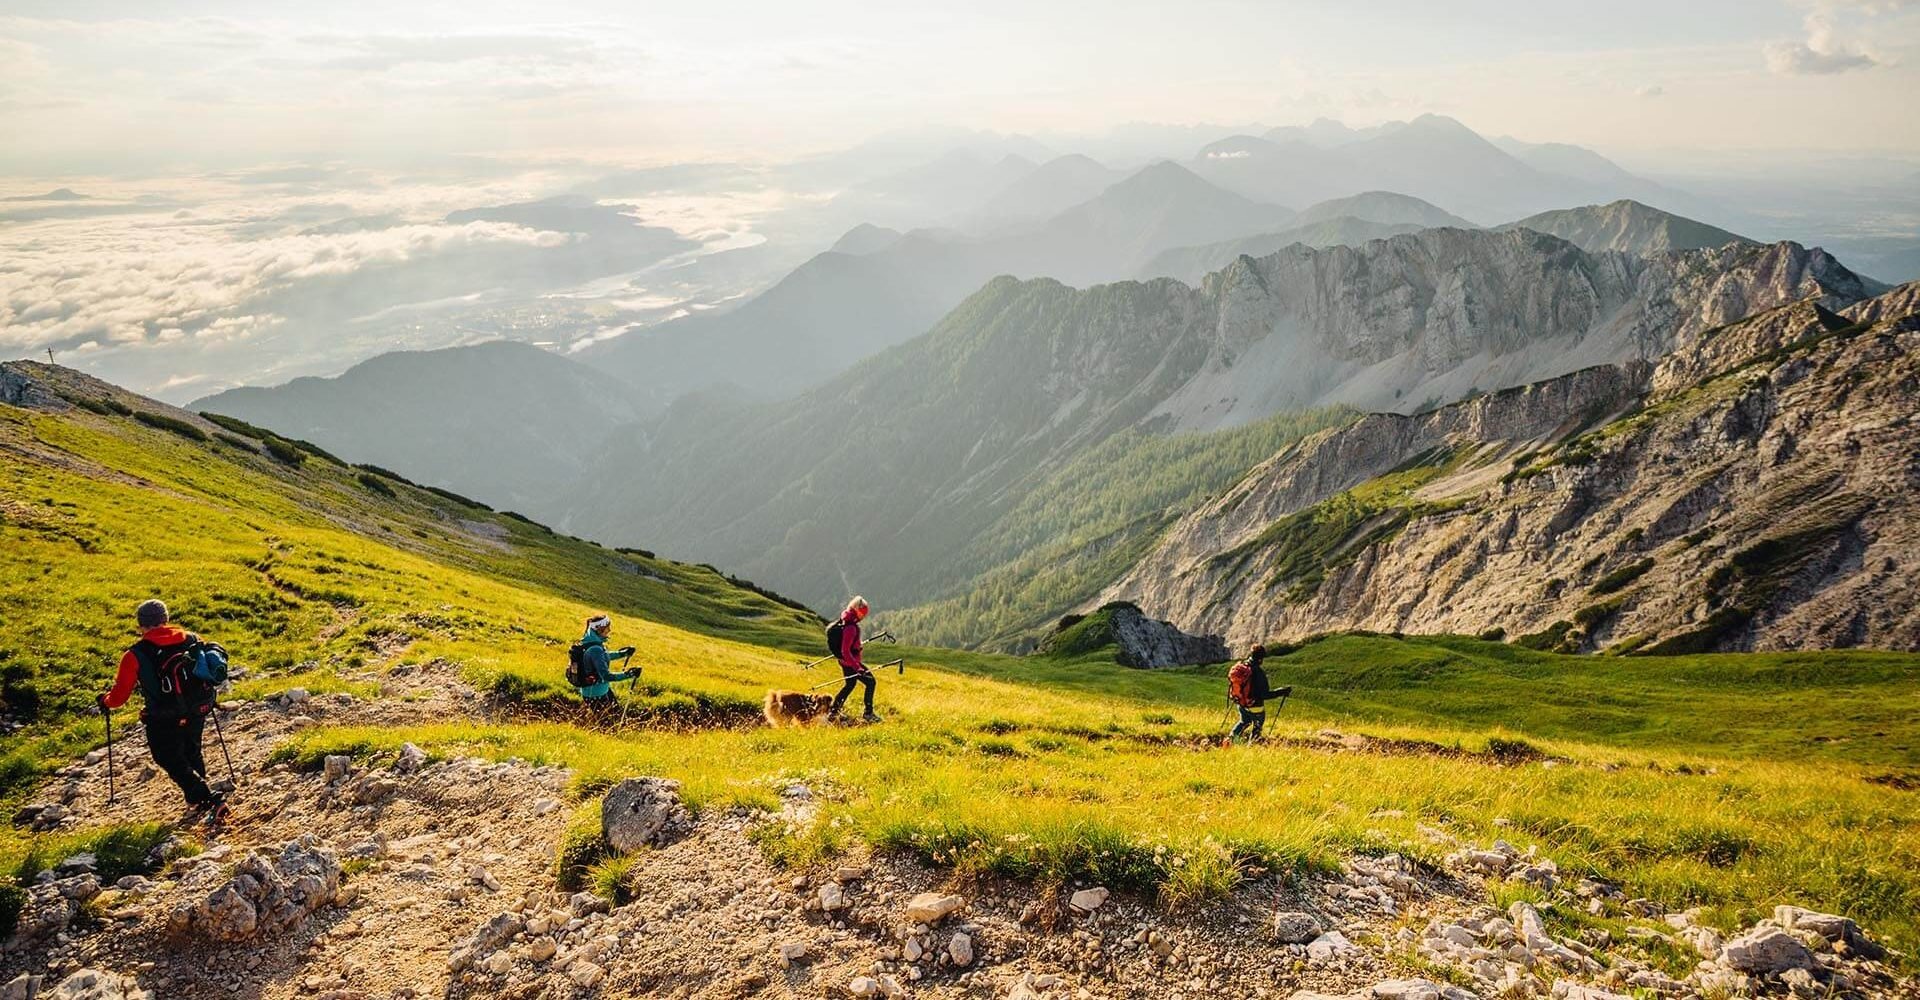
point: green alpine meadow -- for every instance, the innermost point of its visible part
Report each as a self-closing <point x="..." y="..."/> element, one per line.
<point x="1730" y="783"/>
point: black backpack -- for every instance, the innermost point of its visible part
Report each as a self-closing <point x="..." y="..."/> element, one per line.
<point x="580" y="673"/>
<point x="834" y="632"/>
<point x="182" y="679"/>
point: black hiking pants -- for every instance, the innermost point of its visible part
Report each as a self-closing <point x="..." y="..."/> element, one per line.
<point x="854" y="677"/>
<point x="1252" y="722"/>
<point x="175" y="744"/>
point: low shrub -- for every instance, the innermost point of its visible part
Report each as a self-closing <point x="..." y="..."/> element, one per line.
<point x="172" y="425"/>
<point x="1620" y="577"/>
<point x="284" y="450"/>
<point x="456" y="498"/>
<point x="384" y="473"/>
<point x="376" y="485"/>
<point x="237" y="425"/>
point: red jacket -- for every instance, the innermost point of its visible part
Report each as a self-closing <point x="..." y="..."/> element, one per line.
<point x="129" y="675"/>
<point x="849" y="652"/>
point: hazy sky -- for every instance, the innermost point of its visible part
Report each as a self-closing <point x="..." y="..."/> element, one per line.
<point x="112" y="85"/>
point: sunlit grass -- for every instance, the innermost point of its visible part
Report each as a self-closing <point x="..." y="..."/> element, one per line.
<point x="1735" y="782"/>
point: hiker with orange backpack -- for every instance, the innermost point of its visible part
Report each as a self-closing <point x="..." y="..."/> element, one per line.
<point x="1248" y="688"/>
<point x="179" y="676"/>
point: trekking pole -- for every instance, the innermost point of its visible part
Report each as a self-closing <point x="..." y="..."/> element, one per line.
<point x="106" y="715"/>
<point x="881" y="636"/>
<point x="232" y="775"/>
<point x="633" y="684"/>
<point x="900" y="663"/>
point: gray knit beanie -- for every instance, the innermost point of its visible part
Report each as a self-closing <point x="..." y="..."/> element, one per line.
<point x="151" y="614"/>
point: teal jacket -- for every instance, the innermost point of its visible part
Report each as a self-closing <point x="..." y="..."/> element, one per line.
<point x="598" y="662"/>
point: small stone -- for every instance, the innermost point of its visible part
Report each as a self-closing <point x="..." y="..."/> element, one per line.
<point x="1766" y="950"/>
<point x="411" y="759"/>
<point x="542" y="949"/>
<point x="336" y="766"/>
<point x="864" y="986"/>
<point x="498" y="962"/>
<point x="930" y="907"/>
<point x="585" y="974"/>
<point x="1089" y="900"/>
<point x="1328" y="946"/>
<point x="1295" y="927"/>
<point x="960" y="949"/>
<point x="793" y="951"/>
<point x="832" y="897"/>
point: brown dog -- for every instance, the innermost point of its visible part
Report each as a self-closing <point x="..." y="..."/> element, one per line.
<point x="795" y="708"/>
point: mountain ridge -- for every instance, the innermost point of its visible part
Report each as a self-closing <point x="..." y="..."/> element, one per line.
<point x="501" y="420"/>
<point x="960" y="421"/>
<point x="1628" y="226"/>
<point x="1581" y="513"/>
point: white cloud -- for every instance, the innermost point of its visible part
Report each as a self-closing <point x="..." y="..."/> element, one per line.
<point x="1824" y="51"/>
<point x="1650" y="91"/>
<point x="147" y="283"/>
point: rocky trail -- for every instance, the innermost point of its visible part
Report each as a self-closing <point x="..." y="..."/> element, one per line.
<point x="406" y="877"/>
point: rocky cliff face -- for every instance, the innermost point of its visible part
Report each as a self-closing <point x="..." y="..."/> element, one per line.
<point x="1766" y="504"/>
<point x="1431" y="316"/>
<point x="923" y="447"/>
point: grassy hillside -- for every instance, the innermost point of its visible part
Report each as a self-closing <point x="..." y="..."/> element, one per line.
<point x="1733" y="782"/>
<point x="296" y="564"/>
<point x="1664" y="773"/>
<point x="1086" y="522"/>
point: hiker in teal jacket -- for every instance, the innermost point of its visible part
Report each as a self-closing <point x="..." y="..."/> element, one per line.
<point x="599" y="660"/>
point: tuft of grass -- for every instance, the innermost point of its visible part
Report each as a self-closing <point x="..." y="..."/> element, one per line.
<point x="1204" y="873"/>
<point x="119" y="850"/>
<point x="791" y="843"/>
<point x="582" y="847"/>
<point x="611" y="878"/>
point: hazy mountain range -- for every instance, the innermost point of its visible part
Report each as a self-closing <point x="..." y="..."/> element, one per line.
<point x="917" y="413"/>
<point x="505" y="421"/>
<point x="848" y="303"/>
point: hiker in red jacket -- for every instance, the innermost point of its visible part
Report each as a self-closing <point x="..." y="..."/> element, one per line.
<point x="1249" y="689"/>
<point x="851" y="666"/>
<point x="177" y="700"/>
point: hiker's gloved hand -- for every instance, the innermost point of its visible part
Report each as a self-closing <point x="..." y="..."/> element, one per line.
<point x="626" y="651"/>
<point x="100" y="703"/>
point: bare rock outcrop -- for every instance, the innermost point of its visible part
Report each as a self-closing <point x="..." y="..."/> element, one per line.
<point x="1755" y="491"/>
<point x="267" y="894"/>
<point x="642" y="812"/>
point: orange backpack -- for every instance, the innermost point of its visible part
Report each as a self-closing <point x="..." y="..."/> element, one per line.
<point x="1240" y="684"/>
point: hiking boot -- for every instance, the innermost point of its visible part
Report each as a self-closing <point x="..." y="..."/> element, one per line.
<point x="869" y="717"/>
<point x="219" y="813"/>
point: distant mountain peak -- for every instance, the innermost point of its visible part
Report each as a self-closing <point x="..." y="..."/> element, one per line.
<point x="1628" y="226"/>
<point x="866" y="238"/>
<point x="1162" y="178"/>
<point x="1383" y="207"/>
